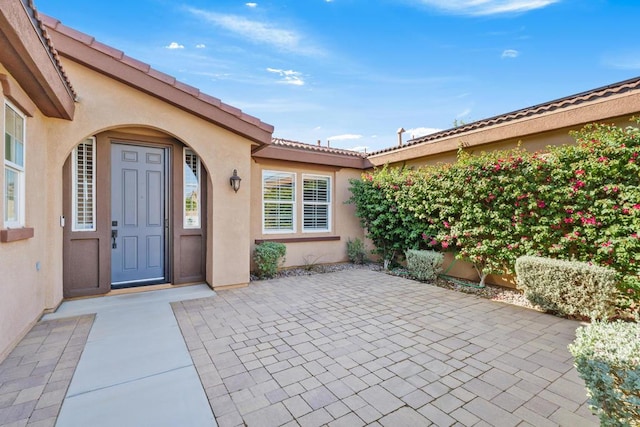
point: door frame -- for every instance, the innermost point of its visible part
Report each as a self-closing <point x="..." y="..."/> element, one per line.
<point x="87" y="254"/>
<point x="168" y="224"/>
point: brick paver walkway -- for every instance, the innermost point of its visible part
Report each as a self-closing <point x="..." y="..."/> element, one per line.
<point x="35" y="376"/>
<point x="365" y="348"/>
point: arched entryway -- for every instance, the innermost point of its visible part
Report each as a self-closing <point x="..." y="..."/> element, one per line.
<point x="135" y="212"/>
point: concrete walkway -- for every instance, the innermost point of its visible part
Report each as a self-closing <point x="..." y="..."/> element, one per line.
<point x="135" y="369"/>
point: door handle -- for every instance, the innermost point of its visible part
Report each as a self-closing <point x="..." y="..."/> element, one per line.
<point x="114" y="234"/>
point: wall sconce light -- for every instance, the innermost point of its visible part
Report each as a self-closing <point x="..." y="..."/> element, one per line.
<point x="234" y="181"/>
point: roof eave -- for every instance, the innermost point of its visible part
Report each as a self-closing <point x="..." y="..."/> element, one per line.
<point x="622" y="105"/>
<point x="291" y="154"/>
<point x="108" y="61"/>
<point x="24" y="54"/>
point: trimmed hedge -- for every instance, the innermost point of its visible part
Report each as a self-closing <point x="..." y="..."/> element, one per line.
<point x="424" y="265"/>
<point x="607" y="357"/>
<point x="267" y="257"/>
<point x="568" y="287"/>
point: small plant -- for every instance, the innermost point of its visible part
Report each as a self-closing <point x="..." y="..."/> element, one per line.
<point x="424" y="265"/>
<point x="356" y="251"/>
<point x="568" y="287"/>
<point x="311" y="263"/>
<point x="268" y="256"/>
<point x="607" y="357"/>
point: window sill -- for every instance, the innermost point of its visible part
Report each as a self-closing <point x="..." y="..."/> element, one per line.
<point x="15" y="234"/>
<point x="299" y="239"/>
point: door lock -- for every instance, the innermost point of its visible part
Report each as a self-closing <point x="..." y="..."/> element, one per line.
<point x="114" y="235"/>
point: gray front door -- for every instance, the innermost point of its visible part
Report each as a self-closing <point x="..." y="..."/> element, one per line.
<point x="137" y="215"/>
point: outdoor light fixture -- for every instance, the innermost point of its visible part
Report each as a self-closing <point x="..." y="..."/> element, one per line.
<point x="234" y="181"/>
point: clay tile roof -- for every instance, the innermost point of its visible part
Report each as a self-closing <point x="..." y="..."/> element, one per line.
<point x="572" y="100"/>
<point x="119" y="56"/>
<point x="42" y="32"/>
<point x="317" y="148"/>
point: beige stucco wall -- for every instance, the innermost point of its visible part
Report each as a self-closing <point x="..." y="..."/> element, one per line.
<point x="24" y="289"/>
<point x="345" y="225"/>
<point x="105" y="104"/>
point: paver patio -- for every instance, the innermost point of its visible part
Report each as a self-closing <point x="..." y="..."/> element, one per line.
<point x="339" y="349"/>
<point x="365" y="348"/>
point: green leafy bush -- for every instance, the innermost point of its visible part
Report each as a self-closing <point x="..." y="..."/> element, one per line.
<point x="268" y="256"/>
<point x="607" y="357"/>
<point x="424" y="265"/>
<point x="568" y="287"/>
<point x="574" y="202"/>
<point x="356" y="251"/>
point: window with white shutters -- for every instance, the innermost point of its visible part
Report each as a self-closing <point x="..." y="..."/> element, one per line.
<point x="316" y="203"/>
<point x="14" y="166"/>
<point x="278" y="202"/>
<point x="84" y="186"/>
<point x="191" y="189"/>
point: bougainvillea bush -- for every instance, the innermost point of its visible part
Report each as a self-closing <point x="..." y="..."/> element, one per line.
<point x="577" y="202"/>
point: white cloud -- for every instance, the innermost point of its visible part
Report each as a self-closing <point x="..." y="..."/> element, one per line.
<point x="360" y="148"/>
<point x="344" y="137"/>
<point x="174" y="45"/>
<point x="510" y="53"/>
<point x="487" y="7"/>
<point x="463" y="113"/>
<point x="200" y="46"/>
<point x="251" y="4"/>
<point x="259" y="32"/>
<point x="421" y="131"/>
<point x="289" y="77"/>
<point x="623" y="61"/>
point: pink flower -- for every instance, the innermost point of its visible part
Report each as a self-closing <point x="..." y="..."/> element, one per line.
<point x="579" y="184"/>
<point x="602" y="159"/>
<point x="541" y="204"/>
<point x="446" y="224"/>
<point x="625" y="211"/>
<point x="636" y="206"/>
<point x="568" y="220"/>
<point x="445" y="245"/>
<point x="580" y="172"/>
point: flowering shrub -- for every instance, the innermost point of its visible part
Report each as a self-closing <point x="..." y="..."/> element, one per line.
<point x="576" y="202"/>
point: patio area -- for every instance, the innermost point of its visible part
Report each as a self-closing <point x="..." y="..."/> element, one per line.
<point x="366" y="348"/>
<point x="340" y="349"/>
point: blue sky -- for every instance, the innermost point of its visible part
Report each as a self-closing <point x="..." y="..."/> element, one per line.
<point x="354" y="71"/>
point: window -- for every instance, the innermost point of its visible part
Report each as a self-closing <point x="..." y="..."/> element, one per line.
<point x="14" y="133"/>
<point x="316" y="203"/>
<point x="278" y="202"/>
<point x="191" y="189"/>
<point x="84" y="187"/>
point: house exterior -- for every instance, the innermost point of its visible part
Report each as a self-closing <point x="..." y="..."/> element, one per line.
<point x="116" y="175"/>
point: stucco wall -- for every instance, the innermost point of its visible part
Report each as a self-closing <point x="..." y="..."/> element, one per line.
<point x="24" y="288"/>
<point x="345" y="225"/>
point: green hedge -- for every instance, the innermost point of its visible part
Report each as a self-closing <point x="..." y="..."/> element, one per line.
<point x="579" y="201"/>
<point x="424" y="265"/>
<point x="607" y="357"/>
<point x="268" y="256"/>
<point x="568" y="287"/>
